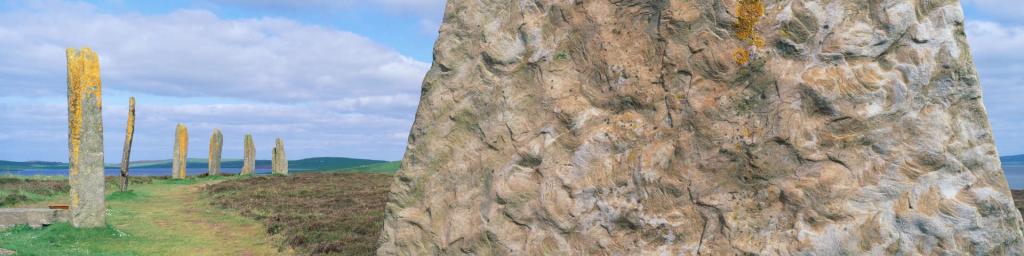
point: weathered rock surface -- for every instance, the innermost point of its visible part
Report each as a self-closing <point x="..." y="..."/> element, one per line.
<point x="279" y="162"/>
<point x="216" y="146"/>
<point x="179" y="162"/>
<point x="715" y="127"/>
<point x="31" y="216"/>
<point x="85" y="139"/>
<point x="248" y="157"/>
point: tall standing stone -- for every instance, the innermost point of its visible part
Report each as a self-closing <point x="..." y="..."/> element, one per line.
<point x="249" y="159"/>
<point x="279" y="161"/>
<point x="701" y="127"/>
<point x="179" y="164"/>
<point x="85" y="139"/>
<point x="127" y="150"/>
<point x="216" y="145"/>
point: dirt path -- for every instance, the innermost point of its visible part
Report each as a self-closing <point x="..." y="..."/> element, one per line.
<point x="172" y="219"/>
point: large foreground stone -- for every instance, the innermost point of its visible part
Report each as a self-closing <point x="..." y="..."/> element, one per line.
<point x="715" y="127"/>
<point x="85" y="139"/>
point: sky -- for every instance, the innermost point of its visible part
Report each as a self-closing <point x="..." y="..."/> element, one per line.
<point x="330" y="77"/>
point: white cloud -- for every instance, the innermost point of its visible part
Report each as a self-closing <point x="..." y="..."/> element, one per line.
<point x="196" y="53"/>
<point x="326" y="92"/>
<point x="998" y="51"/>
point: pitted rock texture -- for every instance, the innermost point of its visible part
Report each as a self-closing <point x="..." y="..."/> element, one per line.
<point x="712" y="127"/>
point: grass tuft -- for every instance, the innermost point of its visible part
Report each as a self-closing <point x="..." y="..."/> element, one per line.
<point x="61" y="239"/>
<point x="129" y="195"/>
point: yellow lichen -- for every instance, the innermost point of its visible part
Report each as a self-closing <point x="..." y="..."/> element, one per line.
<point x="83" y="80"/>
<point x="748" y="13"/>
<point x="182" y="136"/>
<point x="74" y="109"/>
<point x="741" y="56"/>
<point x="131" y="119"/>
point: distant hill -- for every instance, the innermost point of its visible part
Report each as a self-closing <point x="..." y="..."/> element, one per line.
<point x="385" y="167"/>
<point x="315" y="163"/>
<point x="11" y="165"/>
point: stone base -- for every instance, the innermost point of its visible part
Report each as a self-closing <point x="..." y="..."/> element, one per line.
<point x="35" y="217"/>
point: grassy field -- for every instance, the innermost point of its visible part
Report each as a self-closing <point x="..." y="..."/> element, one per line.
<point x="316" y="213"/>
<point x="164" y="217"/>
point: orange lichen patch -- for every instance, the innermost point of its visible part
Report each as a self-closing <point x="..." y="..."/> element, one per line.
<point x="83" y="80"/>
<point x="741" y="56"/>
<point x="181" y="135"/>
<point x="131" y="118"/>
<point x="748" y="13"/>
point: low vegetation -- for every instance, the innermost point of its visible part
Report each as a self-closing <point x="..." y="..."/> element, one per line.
<point x="17" y="190"/>
<point x="316" y="213"/>
<point x="20" y="190"/>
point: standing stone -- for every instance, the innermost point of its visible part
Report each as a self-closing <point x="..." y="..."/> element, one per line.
<point x="702" y="127"/>
<point x="180" y="161"/>
<point x="216" y="145"/>
<point x="279" y="161"/>
<point x="85" y="139"/>
<point x="249" y="159"/>
<point x="127" y="151"/>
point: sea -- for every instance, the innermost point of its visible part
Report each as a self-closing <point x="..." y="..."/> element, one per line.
<point x="131" y="172"/>
<point x="1014" y="176"/>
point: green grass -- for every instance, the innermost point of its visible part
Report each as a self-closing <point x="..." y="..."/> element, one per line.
<point x="161" y="217"/>
<point x="130" y="195"/>
<point x="62" y="239"/>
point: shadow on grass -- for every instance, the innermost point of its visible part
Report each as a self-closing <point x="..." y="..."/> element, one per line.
<point x="62" y="239"/>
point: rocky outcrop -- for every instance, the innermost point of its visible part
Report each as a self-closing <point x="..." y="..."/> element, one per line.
<point x="179" y="161"/>
<point x="85" y="139"/>
<point x="216" y="145"/>
<point x="713" y="127"/>
<point x="279" y="162"/>
<point x="10" y="217"/>
<point x="249" y="156"/>
<point x="126" y="151"/>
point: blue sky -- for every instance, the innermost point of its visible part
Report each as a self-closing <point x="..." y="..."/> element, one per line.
<point x="331" y="77"/>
